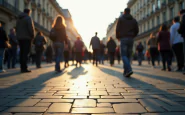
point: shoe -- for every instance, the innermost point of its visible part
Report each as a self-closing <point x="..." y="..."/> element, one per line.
<point x="163" y="69"/>
<point x="2" y="71"/>
<point x="169" y="69"/>
<point x="59" y="71"/>
<point x="129" y="74"/>
<point x="25" y="71"/>
<point x="39" y="67"/>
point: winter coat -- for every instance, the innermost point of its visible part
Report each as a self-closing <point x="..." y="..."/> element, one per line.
<point x="102" y="48"/>
<point x="111" y="45"/>
<point x="25" y="29"/>
<point x="78" y="46"/>
<point x="39" y="42"/>
<point x="127" y="27"/>
<point x="13" y="40"/>
<point x="164" y="41"/>
<point x="59" y="34"/>
<point x="152" y="42"/>
<point x="3" y="37"/>
<point x="95" y="42"/>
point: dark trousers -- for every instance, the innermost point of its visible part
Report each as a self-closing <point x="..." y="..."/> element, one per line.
<point x="178" y="50"/>
<point x="38" y="58"/>
<point x="166" y="58"/>
<point x="12" y="54"/>
<point x="95" y="56"/>
<point x="25" y="46"/>
<point x="111" y="57"/>
<point x="78" y="57"/>
<point x="154" y="53"/>
<point x="118" y="58"/>
<point x="66" y="57"/>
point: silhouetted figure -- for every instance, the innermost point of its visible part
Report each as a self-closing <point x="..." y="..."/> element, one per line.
<point x="118" y="55"/>
<point x="25" y="34"/>
<point x="139" y="50"/>
<point x="102" y="52"/>
<point x="111" y="45"/>
<point x="58" y="36"/>
<point x="78" y="50"/>
<point x="95" y="42"/>
<point x="49" y="54"/>
<point x="67" y="49"/>
<point x="39" y="43"/>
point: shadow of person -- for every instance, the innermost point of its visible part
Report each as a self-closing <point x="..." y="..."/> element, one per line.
<point x="76" y="72"/>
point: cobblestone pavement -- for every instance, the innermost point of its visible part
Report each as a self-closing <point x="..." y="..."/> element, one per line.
<point x="90" y="90"/>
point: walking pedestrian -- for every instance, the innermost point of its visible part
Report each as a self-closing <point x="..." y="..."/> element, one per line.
<point x="78" y="49"/>
<point x="58" y="36"/>
<point x="111" y="45"/>
<point x="32" y="56"/>
<point x="67" y="49"/>
<point x="139" y="50"/>
<point x="25" y="34"/>
<point x="3" y="40"/>
<point x="126" y="30"/>
<point x="73" y="54"/>
<point x="147" y="54"/>
<point x="102" y="52"/>
<point x="118" y="55"/>
<point x="95" y="42"/>
<point x="165" y="47"/>
<point x="12" y="52"/>
<point x="49" y="54"/>
<point x="177" y="43"/>
<point x="152" y="44"/>
<point x="39" y="43"/>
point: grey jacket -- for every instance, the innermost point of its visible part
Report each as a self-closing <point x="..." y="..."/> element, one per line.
<point x="25" y="29"/>
<point x="95" y="42"/>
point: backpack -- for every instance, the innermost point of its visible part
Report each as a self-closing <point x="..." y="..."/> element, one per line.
<point x="52" y="35"/>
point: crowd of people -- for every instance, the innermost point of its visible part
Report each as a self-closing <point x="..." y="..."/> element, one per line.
<point x="23" y="42"/>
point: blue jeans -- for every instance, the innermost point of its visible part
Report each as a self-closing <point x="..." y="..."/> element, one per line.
<point x="58" y="48"/>
<point x="126" y="53"/>
<point x="2" y="50"/>
<point x="12" y="54"/>
<point x="101" y="58"/>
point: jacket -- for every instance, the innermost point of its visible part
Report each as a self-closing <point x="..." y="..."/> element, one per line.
<point x="140" y="48"/>
<point x="182" y="26"/>
<point x="78" y="46"/>
<point x="39" y="42"/>
<point x="127" y="27"/>
<point x="175" y="37"/>
<point x="25" y="29"/>
<point x="111" y="45"/>
<point x="3" y="37"/>
<point x="102" y="48"/>
<point x="152" y="42"/>
<point x="164" y="41"/>
<point x="59" y="34"/>
<point x="95" y="42"/>
<point x="13" y="40"/>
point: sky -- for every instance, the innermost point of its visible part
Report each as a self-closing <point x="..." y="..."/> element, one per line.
<point x="90" y="16"/>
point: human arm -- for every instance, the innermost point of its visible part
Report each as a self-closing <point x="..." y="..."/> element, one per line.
<point x="31" y="27"/>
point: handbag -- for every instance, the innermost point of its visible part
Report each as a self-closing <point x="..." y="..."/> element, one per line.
<point x="7" y="44"/>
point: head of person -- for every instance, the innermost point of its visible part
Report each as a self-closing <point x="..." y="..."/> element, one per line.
<point x="176" y="20"/>
<point x="163" y="28"/>
<point x="110" y="38"/>
<point x="96" y="33"/>
<point x="59" y="22"/>
<point x="27" y="11"/>
<point x="101" y="42"/>
<point x="78" y="38"/>
<point x="39" y="34"/>
<point x="127" y="11"/>
<point x="12" y="31"/>
<point x="182" y="12"/>
<point x="152" y="35"/>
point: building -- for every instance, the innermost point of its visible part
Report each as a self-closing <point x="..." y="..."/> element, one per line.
<point x="71" y="30"/>
<point x="150" y="14"/>
<point x="43" y="13"/>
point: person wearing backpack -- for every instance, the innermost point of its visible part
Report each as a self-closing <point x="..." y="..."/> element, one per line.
<point x="3" y="40"/>
<point x="111" y="45"/>
<point x="139" y="50"/>
<point x="39" y="43"/>
<point x="59" y="37"/>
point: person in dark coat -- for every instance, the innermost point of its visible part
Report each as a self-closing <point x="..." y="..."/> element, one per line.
<point x="164" y="47"/>
<point x="102" y="52"/>
<point x="25" y="31"/>
<point x="59" y="37"/>
<point x="12" y="52"/>
<point x="49" y="54"/>
<point x="111" y="45"/>
<point x="139" y="50"/>
<point x="78" y="49"/>
<point x="39" y="43"/>
<point x="126" y="30"/>
<point x="67" y="49"/>
<point x="118" y="55"/>
<point x="3" y="40"/>
<point x="95" y="42"/>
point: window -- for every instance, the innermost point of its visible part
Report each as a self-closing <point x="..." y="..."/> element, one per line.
<point x="153" y="22"/>
<point x="16" y="3"/>
<point x="38" y="18"/>
<point x="33" y="14"/>
<point x="159" y="3"/>
<point x="158" y="20"/>
<point x="164" y="16"/>
<point x="148" y="25"/>
<point x="153" y="8"/>
<point x="181" y="5"/>
<point x="172" y="13"/>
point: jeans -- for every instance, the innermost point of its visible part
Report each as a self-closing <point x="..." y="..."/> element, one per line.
<point x="126" y="53"/>
<point x="140" y="57"/>
<point x="38" y="58"/>
<point x="66" y="57"/>
<point x="12" y="54"/>
<point x="25" y="46"/>
<point x="178" y="49"/>
<point x="2" y="50"/>
<point x="78" y="57"/>
<point x="95" y="56"/>
<point x="166" y="57"/>
<point x="58" y="48"/>
<point x="101" y="58"/>
<point x="111" y="56"/>
<point x="154" y="53"/>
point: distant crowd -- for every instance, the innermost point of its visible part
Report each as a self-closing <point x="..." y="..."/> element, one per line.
<point x="23" y="46"/>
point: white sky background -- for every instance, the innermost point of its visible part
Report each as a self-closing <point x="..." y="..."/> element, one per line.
<point x="90" y="16"/>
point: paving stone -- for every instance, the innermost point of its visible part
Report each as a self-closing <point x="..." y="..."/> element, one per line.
<point x="92" y="93"/>
<point x="63" y="114"/>
<point x="59" y="107"/>
<point x="47" y="97"/>
<point x="4" y="101"/>
<point x="117" y="100"/>
<point x="114" y="114"/>
<point x="74" y="97"/>
<point x="116" y="90"/>
<point x="94" y="97"/>
<point x="27" y="109"/>
<point x="104" y="105"/>
<point x="112" y="97"/>
<point x="175" y="108"/>
<point x="43" y="104"/>
<point x="92" y="110"/>
<point x="23" y="102"/>
<point x="2" y="108"/>
<point x="129" y="108"/>
<point x="84" y="103"/>
<point x="155" y="109"/>
<point x="28" y="114"/>
<point x="6" y="113"/>
<point x="114" y="94"/>
<point x="166" y="113"/>
<point x="56" y="100"/>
